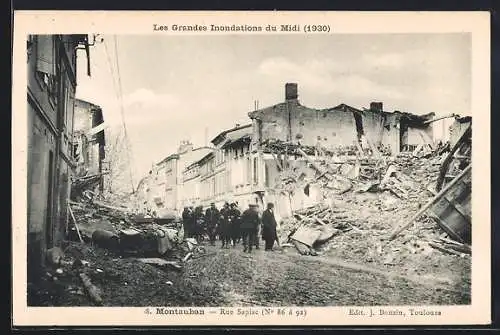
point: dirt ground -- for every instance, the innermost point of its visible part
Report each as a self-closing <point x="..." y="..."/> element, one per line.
<point x="229" y="277"/>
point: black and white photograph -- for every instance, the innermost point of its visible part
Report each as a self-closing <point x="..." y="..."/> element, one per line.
<point x="244" y="169"/>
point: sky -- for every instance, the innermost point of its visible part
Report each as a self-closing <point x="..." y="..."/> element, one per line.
<point x="176" y="88"/>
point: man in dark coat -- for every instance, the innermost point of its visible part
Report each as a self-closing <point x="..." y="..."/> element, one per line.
<point x="224" y="224"/>
<point x="187" y="222"/>
<point x="269" y="234"/>
<point x="234" y="222"/>
<point x="199" y="223"/>
<point x="249" y="225"/>
<point x="212" y="221"/>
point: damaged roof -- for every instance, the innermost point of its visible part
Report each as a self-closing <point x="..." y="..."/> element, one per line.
<point x="237" y="136"/>
<point x="230" y="133"/>
<point x="412" y="118"/>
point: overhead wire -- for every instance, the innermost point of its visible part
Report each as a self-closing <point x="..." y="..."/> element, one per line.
<point x="120" y="91"/>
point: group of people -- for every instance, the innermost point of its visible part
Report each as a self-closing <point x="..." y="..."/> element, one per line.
<point x="231" y="226"/>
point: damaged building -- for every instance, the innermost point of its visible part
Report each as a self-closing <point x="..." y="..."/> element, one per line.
<point x="248" y="163"/>
<point x="52" y="81"/>
<point x="341" y="131"/>
<point x="340" y="127"/>
<point x="89" y="145"/>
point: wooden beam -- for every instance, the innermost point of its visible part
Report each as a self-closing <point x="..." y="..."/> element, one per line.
<point x="76" y="224"/>
<point x="431" y="202"/>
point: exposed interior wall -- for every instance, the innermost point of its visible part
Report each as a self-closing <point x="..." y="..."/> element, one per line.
<point x="373" y="126"/>
<point x="274" y="123"/>
<point x="418" y="136"/>
<point x="331" y="128"/>
<point x="391" y="133"/>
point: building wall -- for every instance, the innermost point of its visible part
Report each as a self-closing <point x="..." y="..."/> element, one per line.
<point x="331" y="128"/>
<point x="391" y="133"/>
<point x="373" y="127"/>
<point x="170" y="183"/>
<point x="292" y="121"/>
<point x="41" y="180"/>
<point x="92" y="150"/>
<point x="191" y="195"/>
<point x="51" y="89"/>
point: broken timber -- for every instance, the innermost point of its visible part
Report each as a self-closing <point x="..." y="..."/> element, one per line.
<point x="431" y="202"/>
<point x="76" y="224"/>
<point x="91" y="289"/>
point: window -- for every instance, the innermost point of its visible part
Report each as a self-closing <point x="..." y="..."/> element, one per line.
<point x="46" y="64"/>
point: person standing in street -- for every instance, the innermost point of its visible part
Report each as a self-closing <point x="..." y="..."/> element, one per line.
<point x="224" y="231"/>
<point x="234" y="222"/>
<point x="212" y="222"/>
<point x="187" y="219"/>
<point x="249" y="225"/>
<point x="199" y="223"/>
<point x="269" y="234"/>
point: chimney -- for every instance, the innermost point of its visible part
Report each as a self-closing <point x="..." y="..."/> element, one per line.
<point x="291" y="91"/>
<point x="377" y="106"/>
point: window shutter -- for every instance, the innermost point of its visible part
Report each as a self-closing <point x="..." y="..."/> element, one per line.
<point x="45" y="61"/>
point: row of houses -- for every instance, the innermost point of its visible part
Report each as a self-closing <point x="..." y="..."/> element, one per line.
<point x="239" y="167"/>
<point x="65" y="139"/>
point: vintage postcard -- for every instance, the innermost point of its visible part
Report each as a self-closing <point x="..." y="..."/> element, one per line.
<point x="251" y="168"/>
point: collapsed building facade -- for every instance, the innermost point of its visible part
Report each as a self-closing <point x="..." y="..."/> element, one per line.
<point x="52" y="81"/>
<point x="89" y="146"/>
<point x="342" y="131"/>
<point x="340" y="127"/>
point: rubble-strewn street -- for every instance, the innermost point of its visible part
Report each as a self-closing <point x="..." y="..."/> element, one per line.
<point x="285" y="204"/>
<point x="351" y="260"/>
<point x="232" y="278"/>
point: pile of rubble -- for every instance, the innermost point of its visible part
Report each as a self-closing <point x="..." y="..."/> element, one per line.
<point x="354" y="220"/>
<point x="78" y="274"/>
<point x="123" y="238"/>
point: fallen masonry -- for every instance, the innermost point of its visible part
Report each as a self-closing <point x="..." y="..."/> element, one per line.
<point x="380" y="209"/>
<point x="392" y="212"/>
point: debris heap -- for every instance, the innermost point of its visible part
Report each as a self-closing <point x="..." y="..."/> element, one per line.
<point x="364" y="199"/>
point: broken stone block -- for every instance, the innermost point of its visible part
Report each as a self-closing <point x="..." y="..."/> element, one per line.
<point x="306" y="235"/>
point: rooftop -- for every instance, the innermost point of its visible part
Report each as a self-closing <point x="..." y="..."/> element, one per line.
<point x="229" y="132"/>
